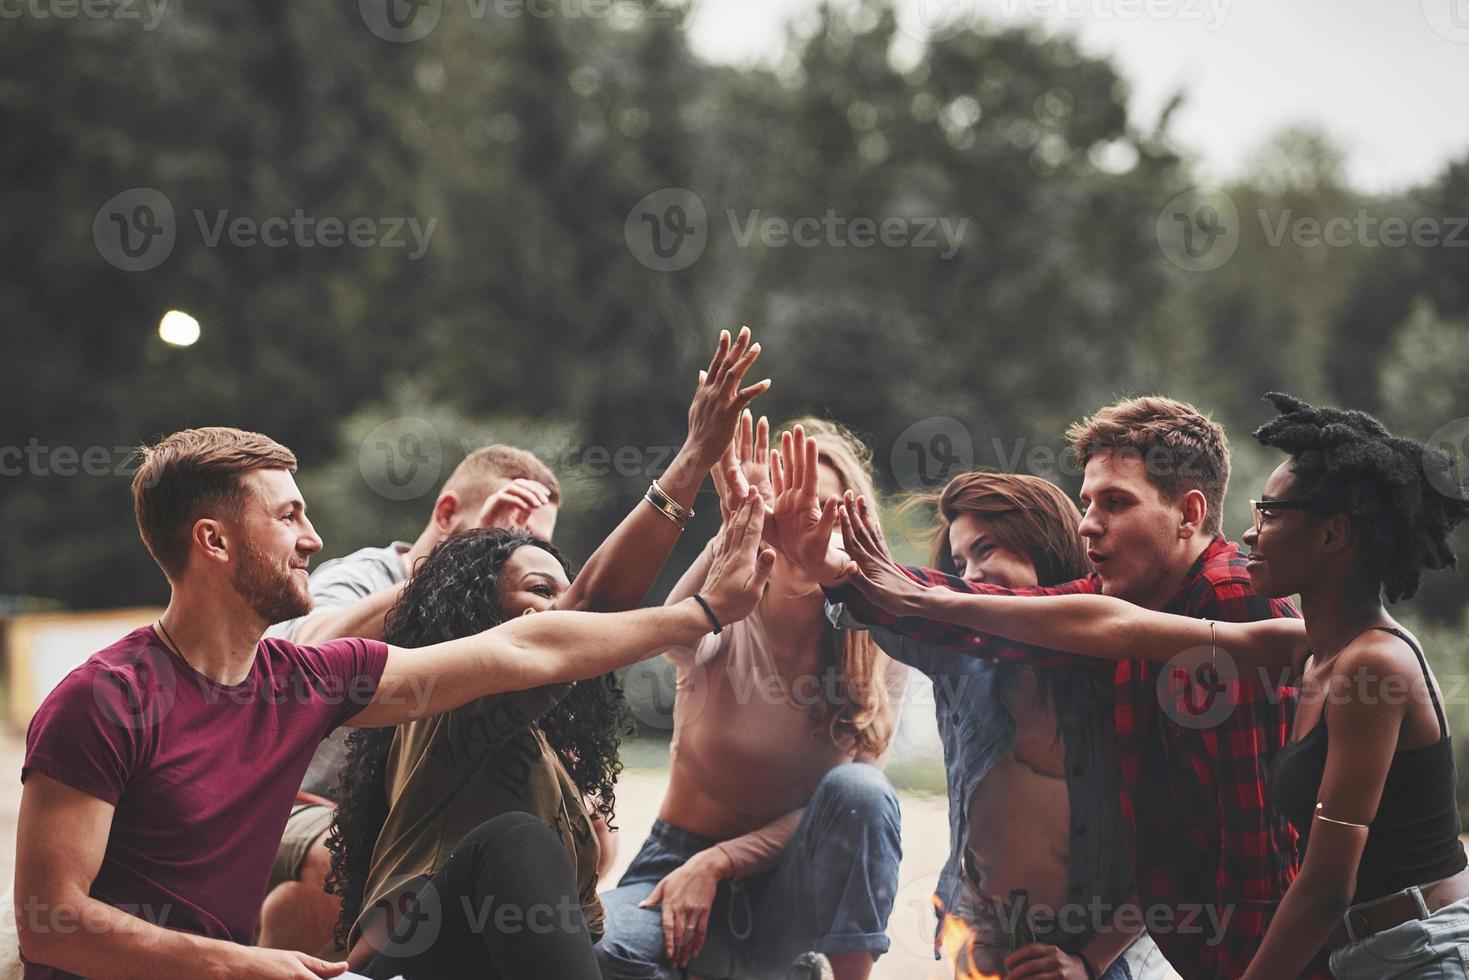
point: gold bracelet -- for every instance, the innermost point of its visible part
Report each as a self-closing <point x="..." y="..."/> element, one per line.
<point x="667" y="506"/>
<point x="1339" y="823"/>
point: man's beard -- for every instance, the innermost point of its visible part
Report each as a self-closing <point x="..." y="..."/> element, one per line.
<point x="271" y="590"/>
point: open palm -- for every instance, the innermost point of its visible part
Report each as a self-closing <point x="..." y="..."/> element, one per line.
<point x="803" y="526"/>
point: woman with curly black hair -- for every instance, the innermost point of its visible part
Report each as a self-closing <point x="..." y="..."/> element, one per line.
<point x="408" y="793"/>
<point x="1368" y="781"/>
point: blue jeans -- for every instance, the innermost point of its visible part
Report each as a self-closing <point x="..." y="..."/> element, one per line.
<point x="832" y="892"/>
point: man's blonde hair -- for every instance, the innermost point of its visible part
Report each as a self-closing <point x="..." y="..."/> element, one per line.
<point x="472" y="478"/>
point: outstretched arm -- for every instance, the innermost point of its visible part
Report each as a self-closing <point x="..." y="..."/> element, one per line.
<point x="555" y="647"/>
<point x="621" y="571"/>
<point x="1090" y="625"/>
<point x="808" y="535"/>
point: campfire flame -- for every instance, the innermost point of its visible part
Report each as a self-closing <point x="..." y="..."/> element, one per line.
<point x="957" y="941"/>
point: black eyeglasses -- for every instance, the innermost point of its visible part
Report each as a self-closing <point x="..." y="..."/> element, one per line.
<point x="1258" y="507"/>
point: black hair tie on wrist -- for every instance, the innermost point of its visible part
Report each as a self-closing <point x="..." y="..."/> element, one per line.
<point x="709" y="612"/>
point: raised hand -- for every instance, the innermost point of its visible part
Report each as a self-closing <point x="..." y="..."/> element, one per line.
<point x="512" y="504"/>
<point x="871" y="568"/>
<point x="803" y="526"/>
<point x="746" y="463"/>
<point x="719" y="399"/>
<point x="740" y="566"/>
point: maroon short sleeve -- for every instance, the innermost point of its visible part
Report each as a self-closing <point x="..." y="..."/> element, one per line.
<point x="350" y="670"/>
<point x="88" y="732"/>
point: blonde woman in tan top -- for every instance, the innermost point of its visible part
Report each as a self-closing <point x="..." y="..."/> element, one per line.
<point x="779" y="835"/>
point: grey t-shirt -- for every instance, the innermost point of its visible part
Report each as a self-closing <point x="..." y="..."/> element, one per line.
<point x="341" y="582"/>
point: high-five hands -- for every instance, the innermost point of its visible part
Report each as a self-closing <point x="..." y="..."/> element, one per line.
<point x="871" y="568"/>
<point x="804" y="527"/>
<point x="719" y="400"/>
<point x="740" y="566"/>
<point x="746" y="464"/>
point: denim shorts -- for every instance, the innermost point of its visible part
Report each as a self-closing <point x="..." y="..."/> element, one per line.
<point x="1435" y="948"/>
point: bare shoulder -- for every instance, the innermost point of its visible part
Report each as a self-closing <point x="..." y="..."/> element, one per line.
<point x="1377" y="675"/>
<point x="1380" y="653"/>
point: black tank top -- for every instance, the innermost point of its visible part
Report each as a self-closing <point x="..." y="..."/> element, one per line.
<point x="1414" y="839"/>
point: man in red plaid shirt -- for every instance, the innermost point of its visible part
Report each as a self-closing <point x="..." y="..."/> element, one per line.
<point x="1213" y="858"/>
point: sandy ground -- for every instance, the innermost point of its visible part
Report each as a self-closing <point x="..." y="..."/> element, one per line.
<point x="925" y="844"/>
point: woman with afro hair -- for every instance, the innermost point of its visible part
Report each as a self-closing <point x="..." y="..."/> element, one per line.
<point x="410" y="794"/>
<point x="1353" y="515"/>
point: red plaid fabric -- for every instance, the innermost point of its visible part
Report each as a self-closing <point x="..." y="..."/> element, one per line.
<point x="1195" y="744"/>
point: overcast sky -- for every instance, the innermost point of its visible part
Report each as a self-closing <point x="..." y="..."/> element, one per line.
<point x="1387" y="79"/>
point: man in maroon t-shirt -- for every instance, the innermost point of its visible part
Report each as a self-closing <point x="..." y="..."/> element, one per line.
<point x="160" y="773"/>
